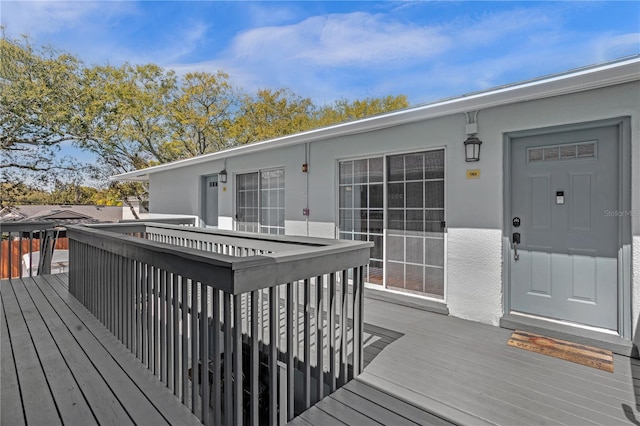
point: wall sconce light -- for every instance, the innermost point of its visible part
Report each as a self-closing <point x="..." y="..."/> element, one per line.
<point x="223" y="176"/>
<point x="472" y="148"/>
<point x="472" y="144"/>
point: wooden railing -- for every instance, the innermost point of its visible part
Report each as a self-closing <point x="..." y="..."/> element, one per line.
<point x="19" y="242"/>
<point x="203" y="308"/>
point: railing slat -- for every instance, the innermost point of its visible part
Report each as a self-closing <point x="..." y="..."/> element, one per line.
<point x="291" y="318"/>
<point x="255" y="360"/>
<point x="175" y="334"/>
<point x="194" y="346"/>
<point x="307" y="343"/>
<point x="184" y="358"/>
<point x="163" y="327"/>
<point x="204" y="353"/>
<point x="331" y="313"/>
<point x="344" y="287"/>
<point x="237" y="360"/>
<point x="357" y="289"/>
<point x="274" y="328"/>
<point x="228" y="364"/>
<point x="155" y="298"/>
<point x="216" y="391"/>
<point x="319" y="338"/>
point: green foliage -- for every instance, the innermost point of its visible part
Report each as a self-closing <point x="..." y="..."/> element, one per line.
<point x="12" y="194"/>
<point x="201" y="115"/>
<point x="270" y="114"/>
<point x="344" y="110"/>
<point x="125" y="111"/>
<point x="132" y="117"/>
<point x="38" y="108"/>
<point x="71" y="193"/>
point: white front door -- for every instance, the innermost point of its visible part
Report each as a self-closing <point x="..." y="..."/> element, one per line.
<point x="566" y="264"/>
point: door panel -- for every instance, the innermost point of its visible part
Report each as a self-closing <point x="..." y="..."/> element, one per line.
<point x="562" y="184"/>
<point x="211" y="201"/>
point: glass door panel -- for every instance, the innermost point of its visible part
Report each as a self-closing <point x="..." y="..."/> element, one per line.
<point x="415" y="227"/>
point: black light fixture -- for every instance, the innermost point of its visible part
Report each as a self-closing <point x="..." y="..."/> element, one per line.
<point x="223" y="176"/>
<point x="472" y="148"/>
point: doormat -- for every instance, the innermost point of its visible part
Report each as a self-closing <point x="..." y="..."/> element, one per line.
<point x="574" y="352"/>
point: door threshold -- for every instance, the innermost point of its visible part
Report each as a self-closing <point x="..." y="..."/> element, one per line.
<point x="564" y="331"/>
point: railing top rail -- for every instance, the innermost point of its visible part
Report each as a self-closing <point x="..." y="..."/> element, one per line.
<point x="25" y="226"/>
<point x="271" y="243"/>
<point x="232" y="274"/>
<point x="168" y="220"/>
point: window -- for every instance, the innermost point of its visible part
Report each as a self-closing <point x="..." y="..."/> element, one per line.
<point x="260" y="202"/>
<point x="569" y="151"/>
<point x="415" y="230"/>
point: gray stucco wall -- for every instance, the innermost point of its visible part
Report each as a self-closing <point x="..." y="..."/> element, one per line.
<point x="474" y="208"/>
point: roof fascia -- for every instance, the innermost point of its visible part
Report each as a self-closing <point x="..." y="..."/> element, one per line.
<point x="571" y="82"/>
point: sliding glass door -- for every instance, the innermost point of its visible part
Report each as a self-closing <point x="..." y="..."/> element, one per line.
<point x="397" y="202"/>
<point x="260" y="202"/>
<point x="415" y="229"/>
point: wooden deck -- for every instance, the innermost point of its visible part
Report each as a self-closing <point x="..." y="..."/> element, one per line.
<point x="426" y="368"/>
<point x="61" y="366"/>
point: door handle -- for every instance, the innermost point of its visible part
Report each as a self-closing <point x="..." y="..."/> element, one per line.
<point x="515" y="239"/>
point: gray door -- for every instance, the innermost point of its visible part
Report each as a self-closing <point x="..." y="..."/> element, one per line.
<point x="565" y="195"/>
<point x="210" y="204"/>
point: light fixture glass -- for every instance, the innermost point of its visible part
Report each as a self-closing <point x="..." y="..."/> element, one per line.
<point x="223" y="176"/>
<point x="472" y="148"/>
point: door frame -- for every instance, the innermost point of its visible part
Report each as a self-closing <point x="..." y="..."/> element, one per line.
<point x="624" y="221"/>
<point x="203" y="195"/>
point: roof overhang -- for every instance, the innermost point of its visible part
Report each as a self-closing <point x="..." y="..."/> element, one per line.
<point x="587" y="78"/>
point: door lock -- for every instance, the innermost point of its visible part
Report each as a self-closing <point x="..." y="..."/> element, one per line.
<point x="515" y="239"/>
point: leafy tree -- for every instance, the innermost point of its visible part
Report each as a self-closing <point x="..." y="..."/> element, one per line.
<point x="344" y="110"/>
<point x="132" y="117"/>
<point x="109" y="196"/>
<point x="202" y="114"/>
<point x="38" y="110"/>
<point x="71" y="193"/>
<point x="126" y="112"/>
<point x="17" y="193"/>
<point x="270" y="114"/>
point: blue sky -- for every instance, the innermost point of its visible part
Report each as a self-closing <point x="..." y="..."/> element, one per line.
<point x="331" y="50"/>
<point x="339" y="50"/>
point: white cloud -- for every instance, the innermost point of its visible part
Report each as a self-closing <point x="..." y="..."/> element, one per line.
<point x="611" y="46"/>
<point x="354" y="39"/>
<point x="45" y="17"/>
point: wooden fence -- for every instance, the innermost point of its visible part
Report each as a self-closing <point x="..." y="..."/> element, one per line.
<point x="19" y="247"/>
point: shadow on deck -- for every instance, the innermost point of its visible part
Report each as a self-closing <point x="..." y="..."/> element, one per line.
<point x="426" y="368"/>
<point x="61" y="366"/>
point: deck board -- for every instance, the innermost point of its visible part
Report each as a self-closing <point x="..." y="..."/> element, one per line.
<point x="39" y="406"/>
<point x="372" y="409"/>
<point x="105" y="405"/>
<point x="68" y="368"/>
<point x="69" y="400"/>
<point x="162" y="399"/>
<point x="10" y="398"/>
<point x="463" y="372"/>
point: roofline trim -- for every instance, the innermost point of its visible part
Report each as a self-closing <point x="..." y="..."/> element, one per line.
<point x="616" y="72"/>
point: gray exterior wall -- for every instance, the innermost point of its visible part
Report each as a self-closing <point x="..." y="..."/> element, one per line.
<point x="474" y="208"/>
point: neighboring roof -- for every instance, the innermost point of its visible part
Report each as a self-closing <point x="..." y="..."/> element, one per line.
<point x="586" y="78"/>
<point x="63" y="214"/>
